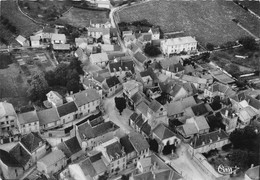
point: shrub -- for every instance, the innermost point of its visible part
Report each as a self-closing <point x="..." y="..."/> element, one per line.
<point x="210" y="46"/>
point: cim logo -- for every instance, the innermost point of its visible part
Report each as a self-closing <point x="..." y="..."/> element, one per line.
<point x="226" y="170"/>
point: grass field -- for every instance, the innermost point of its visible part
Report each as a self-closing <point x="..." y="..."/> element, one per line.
<point x="252" y="5"/>
<point x="208" y="21"/>
<point x="25" y="26"/>
<point x="81" y="17"/>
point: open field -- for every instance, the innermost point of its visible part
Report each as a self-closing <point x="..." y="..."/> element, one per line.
<point x="208" y="21"/>
<point x="25" y="26"/>
<point x="44" y="10"/>
<point x="81" y="17"/>
<point x="252" y="5"/>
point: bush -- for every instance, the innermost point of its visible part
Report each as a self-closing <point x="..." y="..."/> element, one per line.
<point x="151" y="50"/>
<point x="248" y="43"/>
<point x="210" y="46"/>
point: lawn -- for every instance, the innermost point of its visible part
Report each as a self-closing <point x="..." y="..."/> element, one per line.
<point x="81" y="17"/>
<point x="25" y="26"/>
<point x="208" y="21"/>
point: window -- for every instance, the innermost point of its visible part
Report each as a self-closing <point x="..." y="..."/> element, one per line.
<point x="12" y="121"/>
<point x="35" y="123"/>
<point x="7" y="122"/>
<point x="2" y="123"/>
<point x="24" y="125"/>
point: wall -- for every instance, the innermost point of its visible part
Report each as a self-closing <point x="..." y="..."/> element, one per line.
<point x="30" y="127"/>
<point x="10" y="172"/>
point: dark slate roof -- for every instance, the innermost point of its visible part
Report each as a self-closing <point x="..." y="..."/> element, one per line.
<point x="199" y="109"/>
<point x="20" y="154"/>
<point x="253" y="102"/>
<point x="8" y="159"/>
<point x="133" y="116"/>
<point x="147" y="37"/>
<point x="114" y="150"/>
<point x="140" y="57"/>
<point x="124" y="65"/>
<point x="138" y="141"/>
<point x="155" y="106"/>
<point x="208" y="138"/>
<point x="112" y="81"/>
<point x="146" y="128"/>
<point x="67" y="108"/>
<point x="88" y="168"/>
<point x="139" y="97"/>
<point x="128" y="147"/>
<point x="32" y="141"/>
<point x="95" y="157"/>
<point x="62" y="146"/>
<point x="139" y="121"/>
<point x="176" y="68"/>
<point x="162" y="132"/>
<point x="73" y="145"/>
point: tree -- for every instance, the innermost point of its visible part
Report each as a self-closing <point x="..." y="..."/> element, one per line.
<point x="239" y="158"/>
<point x="151" y="50"/>
<point x="120" y="103"/>
<point x="125" y="177"/>
<point x="38" y="88"/>
<point x="73" y="85"/>
<point x="76" y="64"/>
<point x="250" y="132"/>
<point x="153" y="145"/>
<point x="104" y="176"/>
<point x="248" y="43"/>
<point x="61" y="74"/>
<point x="236" y="138"/>
<point x="50" y="78"/>
<point x="72" y="74"/>
<point x="210" y="46"/>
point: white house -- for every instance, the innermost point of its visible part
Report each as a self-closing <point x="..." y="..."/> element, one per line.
<point x="58" y="39"/>
<point x="22" y="40"/>
<point x="100" y="23"/>
<point x="87" y="101"/>
<point x="52" y="163"/>
<point x="28" y="122"/>
<point x="54" y="98"/>
<point x="177" y="45"/>
<point x="67" y="112"/>
<point x="98" y="32"/>
<point x="100" y="59"/>
<point x="112" y="86"/>
<point x="35" y="41"/>
<point x="155" y="33"/>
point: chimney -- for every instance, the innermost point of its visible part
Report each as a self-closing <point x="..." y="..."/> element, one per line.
<point x="252" y="165"/>
<point x="71" y="92"/>
<point x="226" y="113"/>
<point x="219" y="130"/>
<point x="203" y="143"/>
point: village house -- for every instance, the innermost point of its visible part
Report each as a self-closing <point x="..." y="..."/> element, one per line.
<point x="52" y="163"/>
<point x="10" y="168"/>
<point x="164" y="136"/>
<point x="87" y="101"/>
<point x="54" y="98"/>
<point x="28" y="122"/>
<point x="34" y="145"/>
<point x="67" y="112"/>
<point x="100" y="23"/>
<point x="8" y="119"/>
<point x="203" y="143"/>
<point x="245" y="115"/>
<point x="22" y="41"/>
<point x="230" y="119"/>
<point x="100" y="33"/>
<point x="219" y="89"/>
<point x="198" y="110"/>
<point x="48" y="118"/>
<point x="200" y="123"/>
<point x="129" y="39"/>
<point x="81" y="42"/>
<point x="100" y="59"/>
<point x="130" y="88"/>
<point x="61" y="47"/>
<point x="113" y="35"/>
<point x="177" y="45"/>
<point x="134" y="47"/>
<point x="131" y="154"/>
<point x="199" y="83"/>
<point x="140" y="58"/>
<point x="156" y="113"/>
<point x="35" y="41"/>
<point x="89" y="83"/>
<point x="110" y="48"/>
<point x="102" y="3"/>
<point x="153" y="92"/>
<point x="144" y="38"/>
<point x="221" y="76"/>
<point x="90" y="137"/>
<point x="46" y="33"/>
<point x="154" y="168"/>
<point x="112" y="86"/>
<point x="155" y="32"/>
<point x="71" y="148"/>
<point x="114" y="154"/>
<point x="138" y="121"/>
<point x="172" y="70"/>
<point x="187" y="131"/>
<point x="121" y="67"/>
<point x="91" y="167"/>
<point x="137" y="98"/>
<point x="81" y="55"/>
<point x="140" y="145"/>
<point x="58" y="39"/>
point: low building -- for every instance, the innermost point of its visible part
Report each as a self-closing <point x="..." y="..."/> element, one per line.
<point x="144" y="38"/>
<point x="71" y="148"/>
<point x="230" y="119"/>
<point x="54" y="98"/>
<point x="140" y="145"/>
<point x="28" y="122"/>
<point x="205" y="142"/>
<point x="100" y="23"/>
<point x="67" y="112"/>
<point x="200" y="123"/>
<point x="52" y="163"/>
<point x="35" y="41"/>
<point x="100" y="59"/>
<point x="121" y="68"/>
<point x="22" y="41"/>
<point x="253" y="173"/>
<point x="156" y="113"/>
<point x="48" y="118"/>
<point x="99" y="32"/>
<point x="131" y="87"/>
<point x="140" y="58"/>
<point x="58" y="39"/>
<point x="173" y="70"/>
<point x="90" y="137"/>
<point x="61" y="47"/>
<point x="155" y="32"/>
<point x="199" y="83"/>
<point x="198" y="110"/>
<point x="187" y="131"/>
<point x="177" y="45"/>
<point x="112" y="86"/>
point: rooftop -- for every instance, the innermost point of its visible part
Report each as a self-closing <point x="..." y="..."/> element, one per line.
<point x="84" y="97"/>
<point x="67" y="108"/>
<point x="138" y="141"/>
<point x="32" y="141"/>
<point x="48" y="116"/>
<point x="162" y="132"/>
<point x="112" y="81"/>
<point x="28" y="117"/>
<point x="52" y="158"/>
<point x="8" y="159"/>
<point x="180" y="40"/>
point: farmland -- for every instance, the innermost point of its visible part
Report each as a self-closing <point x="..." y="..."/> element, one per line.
<point x="208" y="21"/>
<point x="252" y="5"/>
<point x="81" y="17"/>
<point x="24" y="26"/>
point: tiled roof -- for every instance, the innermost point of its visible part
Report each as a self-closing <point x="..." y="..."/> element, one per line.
<point x="175" y="108"/>
<point x="102" y="30"/>
<point x="88" y="168"/>
<point x="73" y="145"/>
<point x="201" y="123"/>
<point x="146" y="128"/>
<point x="112" y="81"/>
<point x="145" y="162"/>
<point x="61" y="46"/>
<point x="124" y="65"/>
<point x="139" y="122"/>
<point x="28" y="117"/>
<point x="140" y="57"/>
<point x="208" y="138"/>
<point x="180" y="40"/>
<point x="162" y="132"/>
<point x="138" y="142"/>
<point x="143" y="108"/>
<point x="48" y="116"/>
<point x="99" y="57"/>
<point x="32" y="141"/>
<point x="155" y="106"/>
<point x="188" y="129"/>
<point x="133" y="47"/>
<point x="58" y="37"/>
<point x="67" y="108"/>
<point x="125" y="142"/>
<point x="114" y="150"/>
<point x="155" y="30"/>
<point x="52" y="158"/>
<point x="253" y="173"/>
<point x="176" y="68"/>
<point x="85" y="97"/>
<point x="200" y="109"/>
<point x="20" y="154"/>
<point x="8" y="159"/>
<point x="188" y="102"/>
<point x="6" y="109"/>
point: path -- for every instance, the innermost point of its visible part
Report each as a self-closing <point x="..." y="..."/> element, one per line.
<point x="247" y="31"/>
